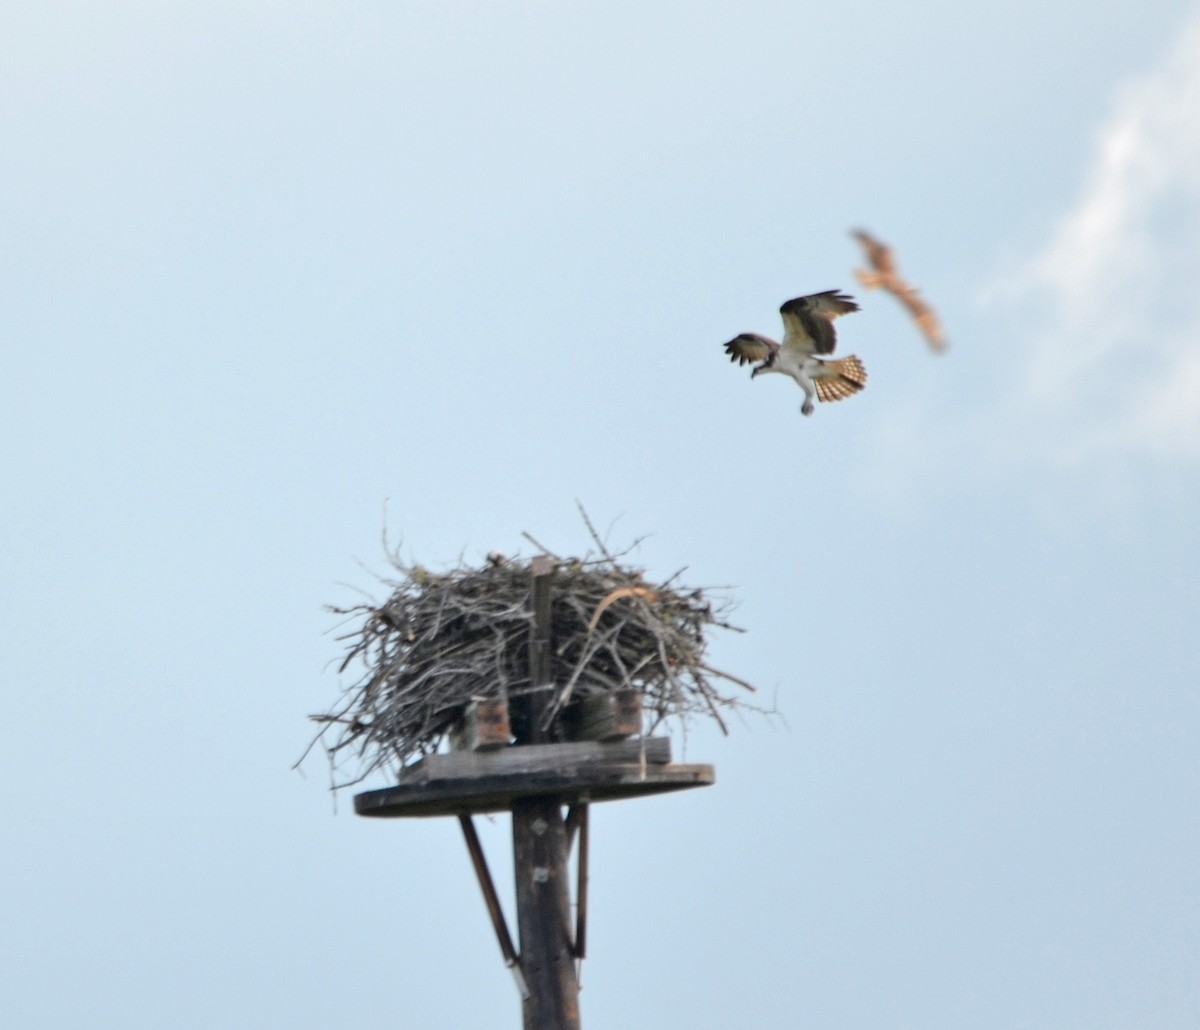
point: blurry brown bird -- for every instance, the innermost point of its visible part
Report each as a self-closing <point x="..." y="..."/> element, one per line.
<point x="886" y="275"/>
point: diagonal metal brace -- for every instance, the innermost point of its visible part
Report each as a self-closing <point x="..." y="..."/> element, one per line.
<point x="492" y="900"/>
<point x="581" y="886"/>
<point x="574" y="814"/>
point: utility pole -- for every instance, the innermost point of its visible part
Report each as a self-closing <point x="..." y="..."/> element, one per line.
<point x="540" y="853"/>
<point x="534" y="779"/>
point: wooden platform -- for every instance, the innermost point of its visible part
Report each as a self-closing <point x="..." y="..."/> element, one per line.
<point x="468" y="782"/>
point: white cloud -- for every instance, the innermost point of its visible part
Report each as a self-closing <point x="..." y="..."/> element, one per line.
<point x="1114" y="368"/>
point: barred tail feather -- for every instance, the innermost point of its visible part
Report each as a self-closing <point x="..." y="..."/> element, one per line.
<point x="840" y="379"/>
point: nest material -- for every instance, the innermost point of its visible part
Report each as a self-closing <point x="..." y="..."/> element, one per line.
<point x="442" y="640"/>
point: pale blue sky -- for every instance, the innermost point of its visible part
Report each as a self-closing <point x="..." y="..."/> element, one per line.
<point x="278" y="277"/>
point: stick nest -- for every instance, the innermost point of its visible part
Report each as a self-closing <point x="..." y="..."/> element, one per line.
<point x="442" y="640"/>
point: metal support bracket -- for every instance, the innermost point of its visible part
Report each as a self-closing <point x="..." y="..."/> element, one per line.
<point x="492" y="900"/>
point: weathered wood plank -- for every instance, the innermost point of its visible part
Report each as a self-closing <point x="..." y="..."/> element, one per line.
<point x="539" y="757"/>
<point x="498" y="793"/>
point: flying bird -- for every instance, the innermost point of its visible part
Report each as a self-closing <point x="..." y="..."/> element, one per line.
<point x="885" y="274"/>
<point x="808" y="339"/>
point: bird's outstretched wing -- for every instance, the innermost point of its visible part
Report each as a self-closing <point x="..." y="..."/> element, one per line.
<point x="808" y="320"/>
<point x="747" y="348"/>
<point x="885" y="274"/>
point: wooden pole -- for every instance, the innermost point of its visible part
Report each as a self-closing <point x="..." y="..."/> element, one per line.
<point x="541" y="659"/>
<point x="540" y="856"/>
<point x="543" y="915"/>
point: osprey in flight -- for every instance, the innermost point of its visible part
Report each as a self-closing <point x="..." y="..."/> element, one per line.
<point x="808" y="339"/>
<point x="885" y="273"/>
